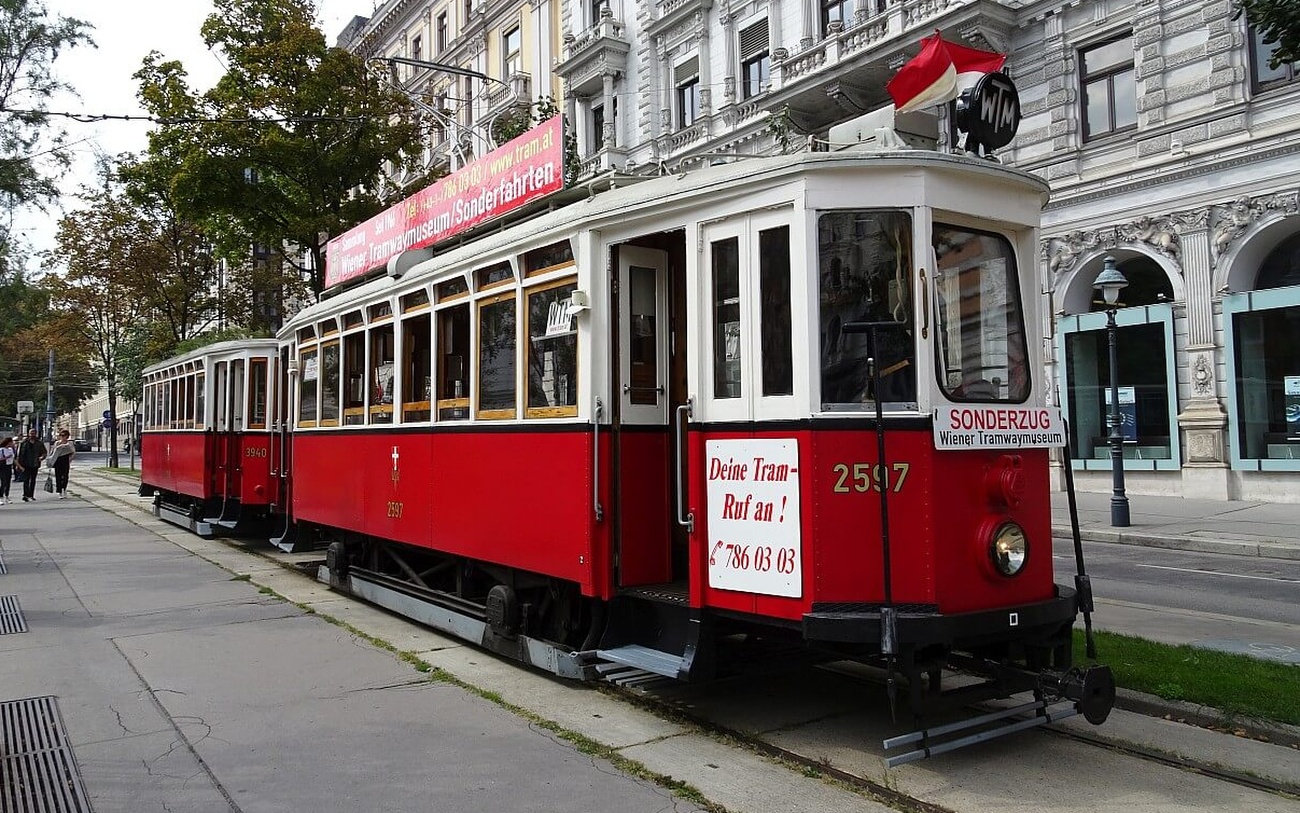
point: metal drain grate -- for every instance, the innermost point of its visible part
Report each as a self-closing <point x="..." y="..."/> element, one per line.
<point x="3" y="569"/>
<point x="37" y="769"/>
<point x="11" y="616"/>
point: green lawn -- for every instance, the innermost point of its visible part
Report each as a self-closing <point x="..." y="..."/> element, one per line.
<point x="118" y="470"/>
<point x="1236" y="684"/>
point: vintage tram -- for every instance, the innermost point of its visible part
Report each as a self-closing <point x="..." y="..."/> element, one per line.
<point x="793" y="398"/>
<point x="210" y="454"/>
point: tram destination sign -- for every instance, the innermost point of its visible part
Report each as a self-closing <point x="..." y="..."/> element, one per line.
<point x="518" y="172"/>
<point x="986" y="426"/>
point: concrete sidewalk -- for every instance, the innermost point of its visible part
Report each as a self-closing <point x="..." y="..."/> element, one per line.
<point x="1270" y="530"/>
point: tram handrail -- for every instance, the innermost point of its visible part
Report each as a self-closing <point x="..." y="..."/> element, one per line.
<point x="686" y="519"/>
<point x="595" y="461"/>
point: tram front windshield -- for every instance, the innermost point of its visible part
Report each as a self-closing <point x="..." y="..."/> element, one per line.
<point x="864" y="278"/>
<point x="981" y="352"/>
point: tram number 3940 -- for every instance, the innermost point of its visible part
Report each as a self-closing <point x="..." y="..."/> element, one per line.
<point x="863" y="477"/>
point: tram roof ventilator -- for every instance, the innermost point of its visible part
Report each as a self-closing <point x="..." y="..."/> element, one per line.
<point x="883" y="129"/>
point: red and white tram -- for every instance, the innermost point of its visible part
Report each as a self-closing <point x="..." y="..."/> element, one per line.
<point x="210" y="452"/>
<point x="797" y="397"/>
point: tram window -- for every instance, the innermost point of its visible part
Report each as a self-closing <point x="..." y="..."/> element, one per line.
<point x="452" y="288"/>
<point x="352" y="320"/>
<point x="726" y="318"/>
<point x="453" y="363"/>
<point x="418" y="299"/>
<point x="417" y="378"/>
<point x="552" y="353"/>
<point x="774" y="296"/>
<point x="189" y="402"/>
<point x="493" y="275"/>
<point x="382" y="310"/>
<point x="308" y="382"/>
<point x="496" y="357"/>
<point x="159" y="407"/>
<point x="864" y="262"/>
<point x="642" y="335"/>
<point x="548" y="258"/>
<point x="354" y="379"/>
<point x="329" y="384"/>
<point x="237" y="394"/>
<point x="257" y="394"/>
<point x="200" y="419"/>
<point x="382" y="372"/>
<point x="981" y="350"/>
<point x="167" y="405"/>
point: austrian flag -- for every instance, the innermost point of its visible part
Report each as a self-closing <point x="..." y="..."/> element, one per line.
<point x="939" y="72"/>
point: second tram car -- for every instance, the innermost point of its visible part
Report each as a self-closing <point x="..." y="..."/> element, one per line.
<point x="796" y="398"/>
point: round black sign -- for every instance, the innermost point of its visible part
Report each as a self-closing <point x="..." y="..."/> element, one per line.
<point x="989" y="113"/>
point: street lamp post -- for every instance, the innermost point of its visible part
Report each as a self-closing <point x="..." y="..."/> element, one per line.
<point x="1110" y="282"/>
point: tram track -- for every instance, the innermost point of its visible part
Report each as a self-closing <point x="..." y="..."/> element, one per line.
<point x="886" y="793"/>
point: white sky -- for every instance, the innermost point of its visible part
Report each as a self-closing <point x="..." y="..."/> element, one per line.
<point x="124" y="32"/>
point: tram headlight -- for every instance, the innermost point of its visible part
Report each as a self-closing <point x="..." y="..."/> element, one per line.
<point x="1009" y="548"/>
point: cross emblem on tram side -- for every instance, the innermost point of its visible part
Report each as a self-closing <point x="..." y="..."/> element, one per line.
<point x="396" y="474"/>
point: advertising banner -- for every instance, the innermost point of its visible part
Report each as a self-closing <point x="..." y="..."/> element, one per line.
<point x="755" y="540"/>
<point x="988" y="426"/>
<point x="1128" y="416"/>
<point x="1291" y="389"/>
<point x="516" y="173"/>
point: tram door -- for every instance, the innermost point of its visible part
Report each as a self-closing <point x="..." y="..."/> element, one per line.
<point x="647" y="386"/>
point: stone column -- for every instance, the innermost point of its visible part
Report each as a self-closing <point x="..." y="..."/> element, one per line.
<point x="1202" y="422"/>
<point x="609" y="132"/>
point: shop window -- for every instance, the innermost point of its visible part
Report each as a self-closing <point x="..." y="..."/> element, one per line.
<point x="257" y="394"/>
<point x="417" y="378"/>
<point x="453" y="363"/>
<point x="308" y="385"/>
<point x="354" y="379"/>
<point x="864" y="268"/>
<point x="552" y="353"/>
<point x="329" y="384"/>
<point x="496" y="356"/>
<point x="774" y="298"/>
<point x="383" y="372"/>
<point x="1144" y="390"/>
<point x="981" y="352"/>
<point x="1109" y="88"/>
<point x="727" y="342"/>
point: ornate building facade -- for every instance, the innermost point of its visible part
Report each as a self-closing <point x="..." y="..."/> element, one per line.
<point x="1169" y="141"/>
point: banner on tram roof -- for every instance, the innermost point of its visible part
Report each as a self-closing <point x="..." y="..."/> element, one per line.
<point x="518" y="172"/>
<point x="988" y="426"/>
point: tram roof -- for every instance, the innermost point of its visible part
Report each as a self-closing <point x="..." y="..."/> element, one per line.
<point x="644" y="192"/>
<point x="227" y="347"/>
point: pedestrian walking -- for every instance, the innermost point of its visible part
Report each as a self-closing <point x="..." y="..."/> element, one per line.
<point x="30" y="454"/>
<point x="61" y="459"/>
<point x="7" y="457"/>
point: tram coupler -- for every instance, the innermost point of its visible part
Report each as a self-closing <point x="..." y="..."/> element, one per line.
<point x="1091" y="689"/>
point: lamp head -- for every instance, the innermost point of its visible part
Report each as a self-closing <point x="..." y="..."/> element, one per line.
<point x="1110" y="281"/>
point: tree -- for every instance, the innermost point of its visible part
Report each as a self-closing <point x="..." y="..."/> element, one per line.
<point x="291" y="142"/>
<point x="98" y="245"/>
<point x="1278" y="22"/>
<point x="31" y="152"/>
<point x="27" y="335"/>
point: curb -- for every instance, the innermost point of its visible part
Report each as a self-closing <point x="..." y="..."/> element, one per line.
<point x="1266" y="550"/>
<point x="1207" y="717"/>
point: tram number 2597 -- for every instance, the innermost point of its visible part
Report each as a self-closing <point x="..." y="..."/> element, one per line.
<point x="394" y="510"/>
<point x="863" y="477"/>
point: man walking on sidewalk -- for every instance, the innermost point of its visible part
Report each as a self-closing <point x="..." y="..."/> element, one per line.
<point x="30" y="455"/>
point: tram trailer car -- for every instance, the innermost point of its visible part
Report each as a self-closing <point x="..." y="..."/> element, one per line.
<point x="210" y="449"/>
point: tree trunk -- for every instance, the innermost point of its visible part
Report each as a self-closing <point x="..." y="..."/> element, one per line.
<point x="112" y="425"/>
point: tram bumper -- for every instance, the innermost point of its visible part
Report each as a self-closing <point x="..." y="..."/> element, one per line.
<point x="925" y="626"/>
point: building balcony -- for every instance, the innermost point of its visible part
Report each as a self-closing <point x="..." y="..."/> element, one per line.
<point x="601" y="162"/>
<point x="588" y="57"/>
<point x="844" y="74"/>
<point x="515" y="91"/>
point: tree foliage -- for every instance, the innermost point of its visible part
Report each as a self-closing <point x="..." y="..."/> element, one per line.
<point x="302" y="135"/>
<point x="31" y="150"/>
<point x="27" y="335"/>
<point x="1278" y="22"/>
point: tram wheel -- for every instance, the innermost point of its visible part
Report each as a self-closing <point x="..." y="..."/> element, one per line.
<point x="336" y="559"/>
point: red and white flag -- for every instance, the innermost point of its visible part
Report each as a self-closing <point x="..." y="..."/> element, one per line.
<point x="939" y="72"/>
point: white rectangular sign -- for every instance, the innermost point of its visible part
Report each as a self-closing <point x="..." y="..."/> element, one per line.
<point x="985" y="426"/>
<point x="755" y="540"/>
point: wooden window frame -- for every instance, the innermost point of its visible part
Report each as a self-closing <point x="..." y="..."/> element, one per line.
<point x="372" y="369"/>
<point x="512" y="280"/>
<point x="301" y="361"/>
<point x="439" y="404"/>
<point x="476" y="326"/>
<point x="548" y="412"/>
<point x="320" y="388"/>
<point x="266" y="392"/>
<point x="409" y="407"/>
<point x="439" y="298"/>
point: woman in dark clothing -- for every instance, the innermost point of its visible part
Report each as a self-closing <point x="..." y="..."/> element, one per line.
<point x="61" y="459"/>
<point x="7" y="455"/>
<point x="30" y="455"/>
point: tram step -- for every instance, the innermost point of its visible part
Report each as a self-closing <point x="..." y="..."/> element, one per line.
<point x="645" y="658"/>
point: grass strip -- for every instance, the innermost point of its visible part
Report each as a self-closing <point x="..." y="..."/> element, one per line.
<point x="118" y="470"/>
<point x="1238" y="685"/>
